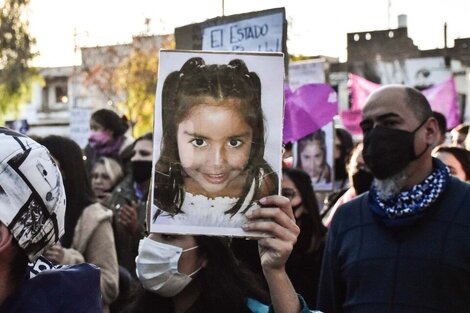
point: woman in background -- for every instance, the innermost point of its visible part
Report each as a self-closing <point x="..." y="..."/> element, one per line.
<point x="303" y="266"/>
<point x="105" y="175"/>
<point x="457" y="160"/>
<point x="88" y="233"/>
<point x="107" y="138"/>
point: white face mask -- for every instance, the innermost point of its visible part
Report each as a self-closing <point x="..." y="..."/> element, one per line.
<point x="157" y="268"/>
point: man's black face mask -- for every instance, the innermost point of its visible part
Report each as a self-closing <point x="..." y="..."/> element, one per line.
<point x="387" y="151"/>
<point x="141" y="171"/>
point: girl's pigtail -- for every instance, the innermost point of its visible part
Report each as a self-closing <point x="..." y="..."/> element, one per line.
<point x="191" y="65"/>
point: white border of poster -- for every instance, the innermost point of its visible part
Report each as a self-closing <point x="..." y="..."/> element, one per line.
<point x="270" y="69"/>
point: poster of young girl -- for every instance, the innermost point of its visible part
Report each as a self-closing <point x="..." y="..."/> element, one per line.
<point x="314" y="154"/>
<point x="218" y="133"/>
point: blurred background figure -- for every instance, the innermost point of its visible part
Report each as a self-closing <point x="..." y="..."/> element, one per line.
<point x="304" y="264"/>
<point x="105" y="175"/>
<point x="343" y="147"/>
<point x="312" y="157"/>
<point x="361" y="180"/>
<point x="457" y="160"/>
<point x="287" y="158"/>
<point x="88" y="232"/>
<point x="128" y="203"/>
<point x="107" y="138"/>
<point x="459" y="134"/>
<point x="442" y="123"/>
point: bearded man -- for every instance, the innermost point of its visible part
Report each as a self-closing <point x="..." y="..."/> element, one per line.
<point x="404" y="245"/>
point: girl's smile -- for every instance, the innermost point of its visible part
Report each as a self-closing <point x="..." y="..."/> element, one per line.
<point x="214" y="144"/>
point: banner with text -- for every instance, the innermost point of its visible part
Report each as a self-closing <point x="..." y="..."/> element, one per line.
<point x="263" y="33"/>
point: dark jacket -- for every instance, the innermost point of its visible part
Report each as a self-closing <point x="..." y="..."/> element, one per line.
<point x="421" y="268"/>
<point x="68" y="289"/>
<point x="127" y="244"/>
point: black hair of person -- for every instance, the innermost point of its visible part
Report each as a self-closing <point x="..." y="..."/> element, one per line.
<point x="441" y="122"/>
<point x="224" y="283"/>
<point x="146" y="136"/>
<point x="76" y="181"/>
<point x="347" y="143"/>
<point x="462" y="129"/>
<point x="303" y="183"/>
<point x="346" y="148"/>
<point x="462" y="155"/>
<point x="181" y="91"/>
<point x="418" y="104"/>
<point x="110" y="121"/>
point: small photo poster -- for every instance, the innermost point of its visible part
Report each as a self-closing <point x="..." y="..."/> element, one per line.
<point x="218" y="140"/>
<point x="314" y="154"/>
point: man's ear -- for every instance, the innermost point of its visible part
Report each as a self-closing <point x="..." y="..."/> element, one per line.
<point x="432" y="131"/>
<point x="5" y="239"/>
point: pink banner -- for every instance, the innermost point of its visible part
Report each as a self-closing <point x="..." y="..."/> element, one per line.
<point x="360" y="89"/>
<point x="442" y="98"/>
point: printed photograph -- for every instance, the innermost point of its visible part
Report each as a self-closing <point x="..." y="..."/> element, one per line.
<point x="314" y="154"/>
<point x="218" y="140"/>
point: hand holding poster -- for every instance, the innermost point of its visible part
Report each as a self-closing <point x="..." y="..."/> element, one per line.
<point x="215" y="153"/>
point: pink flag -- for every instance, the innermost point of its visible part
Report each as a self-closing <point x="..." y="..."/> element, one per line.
<point x="360" y="90"/>
<point x="351" y="120"/>
<point x="443" y="99"/>
<point x="308" y="109"/>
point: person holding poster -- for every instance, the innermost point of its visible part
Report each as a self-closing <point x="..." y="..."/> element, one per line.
<point x="211" y="168"/>
<point x="186" y="273"/>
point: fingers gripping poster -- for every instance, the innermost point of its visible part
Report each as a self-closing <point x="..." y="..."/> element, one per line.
<point x="218" y="133"/>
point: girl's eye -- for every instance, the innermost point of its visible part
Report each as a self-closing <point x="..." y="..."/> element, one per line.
<point x="199" y="143"/>
<point x="235" y="143"/>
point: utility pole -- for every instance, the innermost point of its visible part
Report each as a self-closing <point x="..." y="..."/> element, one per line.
<point x="223" y="7"/>
<point x="389" y="5"/>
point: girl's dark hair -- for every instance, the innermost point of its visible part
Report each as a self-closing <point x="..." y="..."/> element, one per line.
<point x="462" y="155"/>
<point x="76" y="183"/>
<point x="224" y="284"/>
<point x="110" y="120"/>
<point x="180" y="93"/>
<point x="314" y="234"/>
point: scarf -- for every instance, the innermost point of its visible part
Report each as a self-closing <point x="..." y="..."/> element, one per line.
<point x="110" y="149"/>
<point x="407" y="207"/>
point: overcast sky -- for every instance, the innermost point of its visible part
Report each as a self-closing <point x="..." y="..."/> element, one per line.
<point x="315" y="27"/>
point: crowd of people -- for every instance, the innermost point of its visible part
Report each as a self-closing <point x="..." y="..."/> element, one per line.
<point x="391" y="237"/>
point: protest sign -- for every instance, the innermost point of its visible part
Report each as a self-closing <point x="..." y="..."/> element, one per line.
<point x="218" y="131"/>
<point x="262" y="33"/>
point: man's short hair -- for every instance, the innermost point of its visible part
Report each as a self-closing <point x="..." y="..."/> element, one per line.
<point x="418" y="103"/>
<point x="32" y="196"/>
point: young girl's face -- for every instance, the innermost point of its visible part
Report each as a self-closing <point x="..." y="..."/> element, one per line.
<point x="312" y="159"/>
<point x="214" y="143"/>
